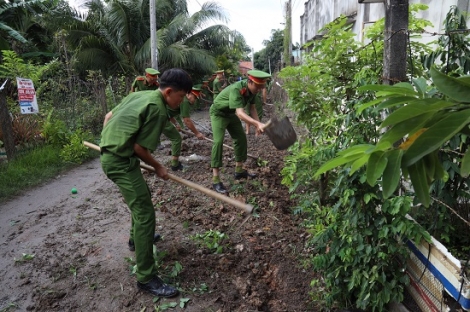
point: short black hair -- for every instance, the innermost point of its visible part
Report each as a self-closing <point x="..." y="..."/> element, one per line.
<point x="177" y="79"/>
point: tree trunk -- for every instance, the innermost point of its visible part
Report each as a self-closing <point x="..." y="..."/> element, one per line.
<point x="395" y="41"/>
<point x="7" y="129"/>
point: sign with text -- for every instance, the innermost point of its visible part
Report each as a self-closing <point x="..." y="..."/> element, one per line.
<point x="27" y="96"/>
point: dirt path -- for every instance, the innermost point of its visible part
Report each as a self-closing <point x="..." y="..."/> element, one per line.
<point x="65" y="252"/>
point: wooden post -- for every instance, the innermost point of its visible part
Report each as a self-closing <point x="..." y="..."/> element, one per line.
<point x="7" y="128"/>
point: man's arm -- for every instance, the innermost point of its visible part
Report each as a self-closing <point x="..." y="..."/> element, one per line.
<point x="240" y="112"/>
<point x="107" y="118"/>
<point x="176" y="123"/>
<point x="145" y="155"/>
<point x="189" y="123"/>
<point x="254" y="112"/>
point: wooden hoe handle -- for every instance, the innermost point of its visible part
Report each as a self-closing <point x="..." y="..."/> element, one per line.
<point x="246" y="207"/>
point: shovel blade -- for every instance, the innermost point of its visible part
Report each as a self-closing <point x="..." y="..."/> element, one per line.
<point x="281" y="133"/>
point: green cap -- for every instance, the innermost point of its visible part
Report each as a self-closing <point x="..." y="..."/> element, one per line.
<point x="196" y="90"/>
<point x="219" y="71"/>
<point x="152" y="71"/>
<point x="205" y="81"/>
<point x="258" y="74"/>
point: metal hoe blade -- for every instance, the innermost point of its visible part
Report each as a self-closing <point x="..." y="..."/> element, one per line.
<point x="280" y="132"/>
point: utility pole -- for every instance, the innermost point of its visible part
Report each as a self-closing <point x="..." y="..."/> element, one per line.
<point x="288" y="35"/>
<point x="395" y="41"/>
<point x="153" y="35"/>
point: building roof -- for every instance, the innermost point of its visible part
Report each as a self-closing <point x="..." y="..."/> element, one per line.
<point x="245" y="64"/>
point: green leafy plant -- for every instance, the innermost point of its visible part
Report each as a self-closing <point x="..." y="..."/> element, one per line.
<point x="14" y="66"/>
<point x="183" y="302"/>
<point x="73" y="270"/>
<point x="213" y="240"/>
<point x="54" y="130"/>
<point x="11" y="305"/>
<point x="422" y="123"/>
<point x="75" y="151"/>
<point x="356" y="232"/>
<point x="24" y="257"/>
<point x="262" y="162"/>
<point x="203" y="288"/>
<point x="177" y="268"/>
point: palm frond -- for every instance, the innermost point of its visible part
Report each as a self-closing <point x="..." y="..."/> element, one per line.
<point x="210" y="11"/>
<point x="13" y="33"/>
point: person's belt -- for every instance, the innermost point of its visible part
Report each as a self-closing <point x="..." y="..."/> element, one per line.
<point x="104" y="151"/>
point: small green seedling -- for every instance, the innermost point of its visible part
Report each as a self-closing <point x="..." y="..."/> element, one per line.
<point x="212" y="240"/>
<point x="261" y="162"/>
<point x="24" y="257"/>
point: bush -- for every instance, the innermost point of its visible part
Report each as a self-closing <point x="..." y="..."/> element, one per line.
<point x="75" y="151"/>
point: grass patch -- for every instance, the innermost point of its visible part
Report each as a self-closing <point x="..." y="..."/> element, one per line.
<point x="30" y="169"/>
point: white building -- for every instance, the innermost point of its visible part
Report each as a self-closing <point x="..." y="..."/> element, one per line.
<point x="318" y="13"/>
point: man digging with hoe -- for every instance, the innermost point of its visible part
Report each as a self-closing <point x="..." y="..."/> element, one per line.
<point x="130" y="132"/>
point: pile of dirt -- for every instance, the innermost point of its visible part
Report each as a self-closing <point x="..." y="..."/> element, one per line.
<point x="66" y="252"/>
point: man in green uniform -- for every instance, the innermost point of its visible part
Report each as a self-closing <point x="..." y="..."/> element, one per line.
<point x="172" y="127"/>
<point x="196" y="104"/>
<point x="211" y="83"/>
<point x="219" y="83"/>
<point x="206" y="94"/>
<point x="225" y="113"/>
<point x="147" y="82"/>
<point x="130" y="132"/>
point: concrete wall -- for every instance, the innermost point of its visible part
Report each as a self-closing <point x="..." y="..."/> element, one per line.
<point x="318" y="13"/>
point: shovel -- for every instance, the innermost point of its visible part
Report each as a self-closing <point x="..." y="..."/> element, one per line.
<point x="246" y="207"/>
<point x="227" y="146"/>
<point x="280" y="132"/>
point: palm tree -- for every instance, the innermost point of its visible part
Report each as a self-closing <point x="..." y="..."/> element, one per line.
<point x="115" y="37"/>
<point x="19" y="23"/>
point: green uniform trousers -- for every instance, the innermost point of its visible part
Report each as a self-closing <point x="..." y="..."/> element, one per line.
<point x="126" y="174"/>
<point x="175" y="137"/>
<point x="234" y="127"/>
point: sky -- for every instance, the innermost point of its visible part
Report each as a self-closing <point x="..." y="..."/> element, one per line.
<point x="255" y="19"/>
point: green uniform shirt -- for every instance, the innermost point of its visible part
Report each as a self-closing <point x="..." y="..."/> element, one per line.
<point x="182" y="110"/>
<point x="234" y="96"/>
<point x="217" y="86"/>
<point x="139" y="118"/>
<point x="206" y="92"/>
<point x="141" y="84"/>
<point x="258" y="104"/>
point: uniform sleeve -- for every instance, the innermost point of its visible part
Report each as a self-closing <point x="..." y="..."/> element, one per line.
<point x="152" y="128"/>
<point x="134" y="86"/>
<point x="184" y="109"/>
<point x="218" y="86"/>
